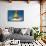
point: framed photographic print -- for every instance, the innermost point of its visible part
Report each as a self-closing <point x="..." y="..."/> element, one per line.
<point x="15" y="15"/>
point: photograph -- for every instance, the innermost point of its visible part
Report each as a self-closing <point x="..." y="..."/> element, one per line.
<point x="15" y="15"/>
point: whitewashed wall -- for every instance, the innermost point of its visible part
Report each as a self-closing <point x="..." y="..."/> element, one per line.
<point x="31" y="14"/>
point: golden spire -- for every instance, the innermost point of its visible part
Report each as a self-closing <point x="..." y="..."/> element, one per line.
<point x="16" y="15"/>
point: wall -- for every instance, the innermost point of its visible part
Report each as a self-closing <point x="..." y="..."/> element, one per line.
<point x="31" y="14"/>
